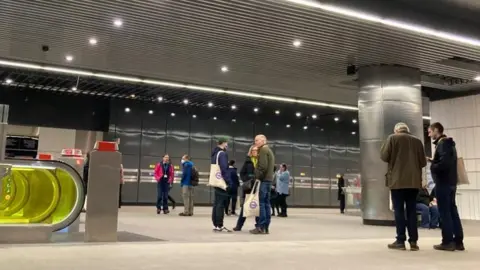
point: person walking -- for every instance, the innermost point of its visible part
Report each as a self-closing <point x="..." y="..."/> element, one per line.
<point x="219" y="156"/>
<point x="187" y="187"/>
<point x="233" y="190"/>
<point x="283" y="182"/>
<point x="444" y="173"/>
<point x="264" y="173"/>
<point x="341" y="193"/>
<point x="405" y="156"/>
<point x="164" y="175"/>
<point x="247" y="175"/>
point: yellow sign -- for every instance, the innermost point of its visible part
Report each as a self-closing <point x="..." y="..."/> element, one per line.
<point x="176" y="167"/>
<point x="302" y="174"/>
<point x="152" y="166"/>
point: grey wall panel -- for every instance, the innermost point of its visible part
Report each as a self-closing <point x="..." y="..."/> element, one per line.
<point x="319" y="135"/>
<point x="338" y="156"/>
<point x="153" y="144"/>
<point x="202" y="191"/>
<point x="179" y="124"/>
<point x="353" y="158"/>
<point x="302" y="155"/>
<point x="223" y="128"/>
<point x="337" y="138"/>
<point x="243" y="130"/>
<point x="241" y="150"/>
<point x="200" y="147"/>
<point x="177" y="146"/>
<point x="201" y="128"/>
<point x="321" y="189"/>
<point x="301" y="136"/>
<point x="302" y="192"/>
<point x="320" y="156"/>
<point x="129" y="142"/>
<point x="280" y="134"/>
<point x="129" y="192"/>
<point x="283" y="154"/>
<point x="131" y="173"/>
<point x="147" y="193"/>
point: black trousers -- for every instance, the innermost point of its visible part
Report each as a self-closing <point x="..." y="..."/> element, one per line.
<point x="405" y="200"/>
<point x="282" y="201"/>
<point x="232" y="196"/>
<point x="274" y="198"/>
<point x="218" y="211"/>
<point x="341" y="198"/>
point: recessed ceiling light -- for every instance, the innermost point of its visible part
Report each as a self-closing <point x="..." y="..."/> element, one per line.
<point x="305" y="127"/>
<point x="74" y="88"/>
<point x="93" y="41"/>
<point x="194" y="116"/>
<point x="255" y="109"/>
<point x="288" y="126"/>
<point x="322" y="129"/>
<point x="353" y="132"/>
<point x="298" y="114"/>
<point x="127" y="109"/>
<point x="277" y="112"/>
<point x="69" y="58"/>
<point x="185" y="101"/>
<point x="160" y="98"/>
<point x="118" y="22"/>
<point x="210" y="104"/>
<point x="132" y="95"/>
<point x="214" y="118"/>
<point x="297" y="43"/>
<point x="336" y="119"/>
<point x="314" y="116"/>
<point x="267" y="124"/>
<point x="354" y="121"/>
<point x="172" y="114"/>
<point x="234" y="107"/>
<point x="8" y="81"/>
<point x="150" y="112"/>
<point x="224" y="69"/>
<point x="234" y="120"/>
<point x="477" y="78"/>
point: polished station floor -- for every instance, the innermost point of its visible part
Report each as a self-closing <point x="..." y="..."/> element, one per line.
<point x="308" y="239"/>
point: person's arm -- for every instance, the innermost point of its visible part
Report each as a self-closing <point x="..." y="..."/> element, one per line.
<point x="156" y="172"/>
<point x="243" y="173"/>
<point x="223" y="164"/>
<point x="284" y="177"/>
<point x="421" y="155"/>
<point x="262" y="166"/>
<point x="444" y="158"/>
<point x="386" y="150"/>
<point x="188" y="174"/>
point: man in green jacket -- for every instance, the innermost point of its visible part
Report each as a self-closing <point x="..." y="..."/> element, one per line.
<point x="265" y="173"/>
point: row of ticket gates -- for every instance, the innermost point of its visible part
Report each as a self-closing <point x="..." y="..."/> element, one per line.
<point x="45" y="195"/>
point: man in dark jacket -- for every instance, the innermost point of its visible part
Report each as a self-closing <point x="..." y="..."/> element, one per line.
<point x="444" y="173"/>
<point x="233" y="189"/>
<point x="405" y="156"/>
<point x="221" y="196"/>
<point x="264" y="173"/>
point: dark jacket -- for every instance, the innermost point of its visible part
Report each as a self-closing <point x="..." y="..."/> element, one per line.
<point x="232" y="172"/>
<point x="341" y="185"/>
<point x="266" y="162"/>
<point x="222" y="162"/>
<point x="444" y="162"/>
<point x="423" y="197"/>
<point x="405" y="156"/>
<point x="247" y="172"/>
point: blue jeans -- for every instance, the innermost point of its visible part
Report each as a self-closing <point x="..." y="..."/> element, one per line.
<point x="430" y="215"/>
<point x="263" y="221"/>
<point x="452" y="231"/>
<point x="405" y="200"/>
<point x="162" y="194"/>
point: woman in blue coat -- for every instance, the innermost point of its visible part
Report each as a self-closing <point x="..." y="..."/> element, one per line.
<point x="283" y="180"/>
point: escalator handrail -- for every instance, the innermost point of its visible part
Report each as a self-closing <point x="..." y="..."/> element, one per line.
<point x="79" y="184"/>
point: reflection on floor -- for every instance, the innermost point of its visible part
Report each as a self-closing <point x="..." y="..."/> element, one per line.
<point x="308" y="239"/>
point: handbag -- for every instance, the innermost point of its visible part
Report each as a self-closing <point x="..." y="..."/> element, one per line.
<point x="216" y="179"/>
<point x="251" y="206"/>
<point x="462" y="176"/>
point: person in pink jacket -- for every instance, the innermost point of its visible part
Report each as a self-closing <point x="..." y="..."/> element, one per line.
<point x="164" y="175"/>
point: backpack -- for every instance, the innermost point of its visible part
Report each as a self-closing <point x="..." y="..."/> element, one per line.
<point x="195" y="177"/>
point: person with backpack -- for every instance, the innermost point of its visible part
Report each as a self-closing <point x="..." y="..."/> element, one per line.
<point x="188" y="172"/>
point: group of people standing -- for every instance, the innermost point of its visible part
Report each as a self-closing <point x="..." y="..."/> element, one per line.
<point x="405" y="156"/>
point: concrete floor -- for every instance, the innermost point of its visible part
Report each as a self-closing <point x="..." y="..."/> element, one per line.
<point x="308" y="239"/>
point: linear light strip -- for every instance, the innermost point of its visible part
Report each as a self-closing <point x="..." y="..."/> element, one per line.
<point x="178" y="85"/>
<point x="389" y="22"/>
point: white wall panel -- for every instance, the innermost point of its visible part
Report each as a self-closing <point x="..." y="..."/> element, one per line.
<point x="461" y="119"/>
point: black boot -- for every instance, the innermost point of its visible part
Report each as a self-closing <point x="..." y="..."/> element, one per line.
<point x="397" y="245"/>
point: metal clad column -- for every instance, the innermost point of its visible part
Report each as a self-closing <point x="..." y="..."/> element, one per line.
<point x="101" y="219"/>
<point x="3" y="129"/>
<point x="388" y="95"/>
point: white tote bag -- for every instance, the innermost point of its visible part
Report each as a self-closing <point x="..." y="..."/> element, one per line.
<point x="462" y="176"/>
<point x="251" y="207"/>
<point x="215" y="178"/>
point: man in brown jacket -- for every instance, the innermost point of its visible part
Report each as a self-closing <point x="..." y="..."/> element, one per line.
<point x="405" y="156"/>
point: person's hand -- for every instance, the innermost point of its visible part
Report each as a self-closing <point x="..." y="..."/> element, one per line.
<point x="429" y="159"/>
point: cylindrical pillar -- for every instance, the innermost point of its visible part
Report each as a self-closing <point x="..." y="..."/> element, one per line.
<point x="388" y="95"/>
<point x="3" y="129"/>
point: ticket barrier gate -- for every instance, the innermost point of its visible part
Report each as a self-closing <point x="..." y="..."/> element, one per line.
<point x="37" y="197"/>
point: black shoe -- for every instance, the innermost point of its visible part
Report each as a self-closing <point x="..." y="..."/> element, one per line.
<point x="282" y="215"/>
<point x="234" y="214"/>
<point x="174" y="204"/>
<point x="236" y="229"/>
<point x="397" y="245"/>
<point x="273" y="214"/>
<point x="159" y="211"/>
<point x="166" y="212"/>
<point x="183" y="215"/>
<point x="257" y="231"/>
<point x="460" y="247"/>
<point x="414" y="246"/>
<point x="445" y="247"/>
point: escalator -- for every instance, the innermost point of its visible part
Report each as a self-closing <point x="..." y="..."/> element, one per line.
<point x="44" y="192"/>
